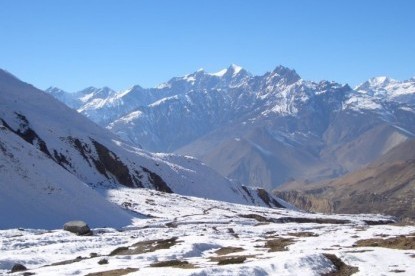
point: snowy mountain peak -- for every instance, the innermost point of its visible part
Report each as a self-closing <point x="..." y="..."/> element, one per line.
<point x="235" y="68"/>
<point x="283" y="75"/>
<point x="231" y="71"/>
<point x="103" y="92"/>
<point x="286" y="72"/>
<point x="219" y="73"/>
<point x="380" y="81"/>
<point x="385" y="87"/>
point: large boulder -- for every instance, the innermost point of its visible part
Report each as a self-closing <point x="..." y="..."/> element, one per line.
<point x="78" y="227"/>
<point x="17" y="268"/>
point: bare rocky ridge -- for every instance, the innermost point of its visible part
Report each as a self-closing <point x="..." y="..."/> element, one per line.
<point x="386" y="186"/>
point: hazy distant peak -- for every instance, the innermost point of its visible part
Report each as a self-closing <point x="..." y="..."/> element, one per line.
<point x="55" y="90"/>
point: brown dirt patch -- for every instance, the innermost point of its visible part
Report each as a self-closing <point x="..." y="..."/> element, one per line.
<point x="400" y="242"/>
<point x="256" y="217"/>
<point x="174" y="263"/>
<point x="279" y="244"/>
<point x="342" y="269"/>
<point x="228" y="250"/>
<point x="115" y="272"/>
<point x="226" y="260"/>
<point x="303" y="234"/>
<point x="145" y="247"/>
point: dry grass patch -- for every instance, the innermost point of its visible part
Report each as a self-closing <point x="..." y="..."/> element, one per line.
<point x="115" y="272"/>
<point x="256" y="217"/>
<point x="279" y="244"/>
<point x="145" y="247"/>
<point x="342" y="269"/>
<point x="398" y="271"/>
<point x="400" y="242"/>
<point x="174" y="263"/>
<point x="303" y="234"/>
<point x="228" y="250"/>
<point x="77" y="259"/>
<point x="227" y="260"/>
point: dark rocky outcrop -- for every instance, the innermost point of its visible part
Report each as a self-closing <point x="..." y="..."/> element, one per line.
<point x="18" y="268"/>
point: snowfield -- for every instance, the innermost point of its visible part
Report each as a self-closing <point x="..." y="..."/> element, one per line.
<point x="179" y="235"/>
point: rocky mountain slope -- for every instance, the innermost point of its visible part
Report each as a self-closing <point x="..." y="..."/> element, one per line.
<point x="385" y="186"/>
<point x="49" y="151"/>
<point x="262" y="130"/>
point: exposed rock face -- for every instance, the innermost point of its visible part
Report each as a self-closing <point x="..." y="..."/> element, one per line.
<point x="307" y="201"/>
<point x="77" y="227"/>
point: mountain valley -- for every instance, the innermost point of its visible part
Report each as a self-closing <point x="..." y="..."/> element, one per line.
<point x="324" y="146"/>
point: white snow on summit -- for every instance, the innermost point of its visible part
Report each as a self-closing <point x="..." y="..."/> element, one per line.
<point x="234" y="68"/>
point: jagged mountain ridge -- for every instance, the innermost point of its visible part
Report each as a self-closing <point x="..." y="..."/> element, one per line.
<point x="264" y="130"/>
<point x="70" y="143"/>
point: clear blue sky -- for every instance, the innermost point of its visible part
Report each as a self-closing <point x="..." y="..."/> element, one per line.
<point x="78" y="43"/>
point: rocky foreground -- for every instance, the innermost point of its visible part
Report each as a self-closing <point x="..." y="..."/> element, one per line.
<point x="178" y="235"/>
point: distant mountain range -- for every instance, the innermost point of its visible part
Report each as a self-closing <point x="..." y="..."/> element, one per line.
<point x="52" y="158"/>
<point x="260" y="130"/>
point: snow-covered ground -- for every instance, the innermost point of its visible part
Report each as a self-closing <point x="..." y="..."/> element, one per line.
<point x="204" y="237"/>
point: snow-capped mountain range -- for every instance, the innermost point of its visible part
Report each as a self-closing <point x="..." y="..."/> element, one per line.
<point x="261" y="130"/>
<point x="52" y="157"/>
<point x="56" y="165"/>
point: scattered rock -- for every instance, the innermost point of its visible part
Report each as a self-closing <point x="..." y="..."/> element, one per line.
<point x="103" y="261"/>
<point x="232" y="232"/>
<point x="18" y="268"/>
<point x="78" y="227"/>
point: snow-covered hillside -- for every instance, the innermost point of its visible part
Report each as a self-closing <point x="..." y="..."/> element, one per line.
<point x="192" y="236"/>
<point x="35" y="126"/>
<point x="36" y="192"/>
